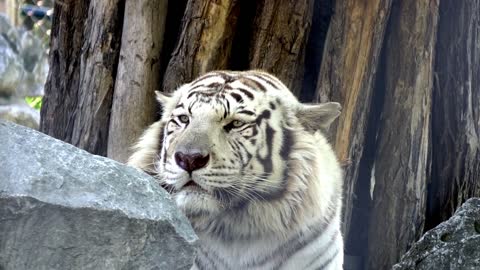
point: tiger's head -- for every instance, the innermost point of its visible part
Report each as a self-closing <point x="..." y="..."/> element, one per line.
<point x="225" y="140"/>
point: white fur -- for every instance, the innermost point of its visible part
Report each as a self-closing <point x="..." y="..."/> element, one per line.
<point x="312" y="196"/>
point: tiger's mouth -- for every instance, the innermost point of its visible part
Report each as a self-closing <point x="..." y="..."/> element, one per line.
<point x="191" y="183"/>
<point x="190" y="186"/>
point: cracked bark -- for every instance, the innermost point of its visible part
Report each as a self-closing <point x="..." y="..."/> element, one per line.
<point x="138" y="75"/>
<point x="402" y="163"/>
<point x="84" y="57"/>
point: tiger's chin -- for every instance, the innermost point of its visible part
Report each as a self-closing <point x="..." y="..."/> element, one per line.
<point x="196" y="203"/>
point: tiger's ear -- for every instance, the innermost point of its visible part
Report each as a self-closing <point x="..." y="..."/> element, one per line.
<point x="163" y="98"/>
<point x="315" y="117"/>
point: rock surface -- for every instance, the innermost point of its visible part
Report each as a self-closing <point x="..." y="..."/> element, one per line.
<point x="20" y="113"/>
<point x="454" y="244"/>
<point x="11" y="71"/>
<point x="23" y="61"/>
<point x="63" y="208"/>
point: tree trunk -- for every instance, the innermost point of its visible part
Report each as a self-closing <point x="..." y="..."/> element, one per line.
<point x="138" y="75"/>
<point x="13" y="11"/>
<point x="456" y="110"/>
<point x="322" y="15"/>
<point x="61" y="88"/>
<point x="83" y="97"/>
<point x="204" y="43"/>
<point x="347" y="74"/>
<point x="402" y="158"/>
<point x="279" y="39"/>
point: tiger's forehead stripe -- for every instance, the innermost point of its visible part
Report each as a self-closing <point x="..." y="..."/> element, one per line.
<point x="253" y="84"/>
<point x="209" y="75"/>
<point x="273" y="80"/>
<point x="247" y="93"/>
<point x="222" y="88"/>
<point x="243" y="82"/>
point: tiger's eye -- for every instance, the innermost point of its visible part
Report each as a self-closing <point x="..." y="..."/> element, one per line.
<point x="183" y="118"/>
<point x="237" y="123"/>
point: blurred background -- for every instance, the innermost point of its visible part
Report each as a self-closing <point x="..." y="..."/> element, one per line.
<point x="24" y="46"/>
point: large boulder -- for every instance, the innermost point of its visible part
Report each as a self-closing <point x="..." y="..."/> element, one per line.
<point x="452" y="245"/>
<point x="63" y="208"/>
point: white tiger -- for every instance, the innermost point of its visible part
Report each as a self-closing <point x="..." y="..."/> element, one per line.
<point x="248" y="165"/>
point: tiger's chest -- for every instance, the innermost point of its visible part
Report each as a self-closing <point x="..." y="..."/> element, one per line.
<point x="309" y="250"/>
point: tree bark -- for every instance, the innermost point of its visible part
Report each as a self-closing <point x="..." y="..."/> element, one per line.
<point x="204" y="43"/>
<point x="79" y="103"/>
<point x="61" y="88"/>
<point x="138" y="75"/>
<point x="279" y="39"/>
<point x="99" y="66"/>
<point x="402" y="158"/>
<point x="13" y="7"/>
<point x="322" y="15"/>
<point x="347" y="73"/>
<point x="456" y="110"/>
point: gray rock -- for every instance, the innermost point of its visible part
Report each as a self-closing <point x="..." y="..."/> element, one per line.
<point x="20" y="113"/>
<point x="63" y="208"/>
<point x="31" y="50"/>
<point x="23" y="61"/>
<point x="11" y="69"/>
<point x="5" y="24"/>
<point x="454" y="244"/>
<point x="33" y="82"/>
<point x="9" y="32"/>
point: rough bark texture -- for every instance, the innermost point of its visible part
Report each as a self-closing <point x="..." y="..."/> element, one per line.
<point x="456" y="110"/>
<point x="204" y="43"/>
<point x="322" y="14"/>
<point x="83" y="97"/>
<point x="401" y="162"/>
<point x="12" y="11"/>
<point x="99" y="66"/>
<point x="61" y="88"/>
<point x="138" y="75"/>
<point x="346" y="75"/>
<point x="279" y="39"/>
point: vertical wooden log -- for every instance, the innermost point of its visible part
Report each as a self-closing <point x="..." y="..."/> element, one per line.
<point x="204" y="43"/>
<point x="84" y="109"/>
<point x="173" y="29"/>
<point x="347" y="73"/>
<point x="13" y="11"/>
<point x="401" y="160"/>
<point x="279" y="39"/>
<point x="99" y="66"/>
<point x="456" y="110"/>
<point x="322" y="14"/>
<point x="138" y="74"/>
<point x="61" y="87"/>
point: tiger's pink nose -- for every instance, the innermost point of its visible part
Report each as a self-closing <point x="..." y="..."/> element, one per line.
<point x="191" y="162"/>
